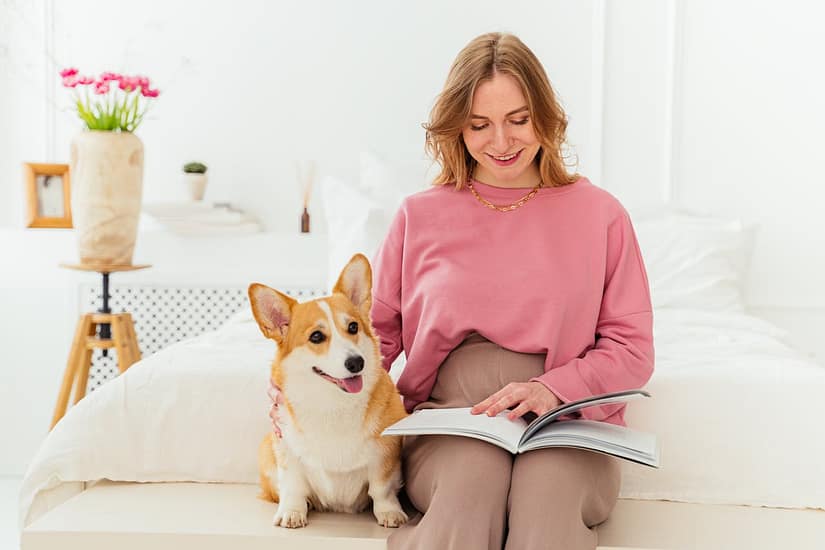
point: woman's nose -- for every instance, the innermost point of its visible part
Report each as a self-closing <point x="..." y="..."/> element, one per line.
<point x="501" y="139"/>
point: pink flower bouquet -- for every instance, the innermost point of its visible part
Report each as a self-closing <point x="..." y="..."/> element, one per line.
<point x="112" y="102"/>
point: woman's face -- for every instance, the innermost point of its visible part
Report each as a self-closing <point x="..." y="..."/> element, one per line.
<point x="500" y="134"/>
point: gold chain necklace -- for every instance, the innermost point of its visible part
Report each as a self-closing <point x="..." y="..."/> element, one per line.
<point x="506" y="207"/>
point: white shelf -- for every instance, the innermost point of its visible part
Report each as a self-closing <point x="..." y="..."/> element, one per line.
<point x="298" y="259"/>
<point x="201" y="219"/>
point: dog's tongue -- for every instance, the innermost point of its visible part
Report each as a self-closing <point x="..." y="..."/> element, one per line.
<point x="352" y="385"/>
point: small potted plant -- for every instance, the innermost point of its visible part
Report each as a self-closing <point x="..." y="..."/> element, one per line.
<point x="194" y="174"/>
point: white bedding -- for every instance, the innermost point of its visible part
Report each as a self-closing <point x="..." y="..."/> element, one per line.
<point x="737" y="413"/>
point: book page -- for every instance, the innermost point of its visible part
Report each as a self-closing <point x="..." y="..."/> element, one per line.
<point x="599" y="436"/>
<point x="498" y="430"/>
<point x="573" y="406"/>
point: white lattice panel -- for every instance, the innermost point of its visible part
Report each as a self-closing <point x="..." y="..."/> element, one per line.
<point x="165" y="315"/>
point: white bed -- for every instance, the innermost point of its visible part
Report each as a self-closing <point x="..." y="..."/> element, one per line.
<point x="196" y="411"/>
<point x="737" y="411"/>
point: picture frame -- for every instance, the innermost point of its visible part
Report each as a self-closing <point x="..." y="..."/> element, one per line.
<point x="48" y="195"/>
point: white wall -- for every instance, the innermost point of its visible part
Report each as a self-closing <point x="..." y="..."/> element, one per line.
<point x="711" y="103"/>
<point x="750" y="135"/>
<point x="6" y="23"/>
<point x="23" y="101"/>
<point x="249" y="87"/>
<point x="638" y="67"/>
<point x="716" y="106"/>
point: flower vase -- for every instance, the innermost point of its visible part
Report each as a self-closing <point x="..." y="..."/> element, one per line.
<point x="107" y="184"/>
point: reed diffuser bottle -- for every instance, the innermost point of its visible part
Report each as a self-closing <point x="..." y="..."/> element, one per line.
<point x="306" y="177"/>
<point x="305" y="221"/>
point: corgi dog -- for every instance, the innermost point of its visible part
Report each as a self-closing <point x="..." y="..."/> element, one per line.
<point x="337" y="399"/>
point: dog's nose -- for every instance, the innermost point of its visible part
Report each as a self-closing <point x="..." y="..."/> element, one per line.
<point x="354" y="363"/>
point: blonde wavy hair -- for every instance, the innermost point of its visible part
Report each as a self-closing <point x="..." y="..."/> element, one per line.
<point x="483" y="57"/>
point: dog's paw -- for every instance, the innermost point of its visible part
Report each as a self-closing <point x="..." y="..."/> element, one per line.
<point x="291" y="519"/>
<point x="391" y="518"/>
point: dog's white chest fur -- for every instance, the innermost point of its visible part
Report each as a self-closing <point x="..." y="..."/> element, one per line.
<point x="333" y="454"/>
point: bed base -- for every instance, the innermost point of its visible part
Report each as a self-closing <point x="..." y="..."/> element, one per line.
<point x="212" y="516"/>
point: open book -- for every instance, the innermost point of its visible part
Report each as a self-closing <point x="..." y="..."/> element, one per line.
<point x="518" y="436"/>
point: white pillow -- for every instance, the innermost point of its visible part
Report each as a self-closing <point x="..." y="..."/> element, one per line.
<point x="358" y="216"/>
<point x="695" y="261"/>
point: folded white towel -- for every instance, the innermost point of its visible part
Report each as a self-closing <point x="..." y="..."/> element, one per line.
<point x="197" y="218"/>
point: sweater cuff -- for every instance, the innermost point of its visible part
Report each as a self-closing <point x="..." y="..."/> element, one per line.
<point x="567" y="384"/>
<point x="386" y="323"/>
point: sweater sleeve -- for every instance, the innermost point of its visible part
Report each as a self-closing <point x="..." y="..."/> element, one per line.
<point x="622" y="357"/>
<point x="385" y="313"/>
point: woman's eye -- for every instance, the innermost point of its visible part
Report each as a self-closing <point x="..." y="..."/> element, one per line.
<point x="317" y="337"/>
<point x="521" y="122"/>
<point x="477" y="128"/>
<point x="353" y="328"/>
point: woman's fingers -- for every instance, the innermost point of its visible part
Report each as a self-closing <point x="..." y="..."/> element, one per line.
<point x="484" y="406"/>
<point x="520" y="411"/>
<point x="515" y="393"/>
<point x="273" y="415"/>
<point x="503" y="402"/>
<point x="274" y="394"/>
<point x="490" y="404"/>
<point x="497" y="402"/>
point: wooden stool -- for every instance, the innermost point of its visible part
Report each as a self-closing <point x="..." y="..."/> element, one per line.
<point x="116" y="330"/>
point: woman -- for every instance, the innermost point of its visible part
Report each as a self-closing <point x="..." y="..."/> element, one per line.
<point x="510" y="284"/>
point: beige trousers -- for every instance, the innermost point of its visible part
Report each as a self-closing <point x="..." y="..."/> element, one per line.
<point x="474" y="495"/>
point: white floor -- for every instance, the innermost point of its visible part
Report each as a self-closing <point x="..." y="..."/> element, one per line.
<point x="9" y="536"/>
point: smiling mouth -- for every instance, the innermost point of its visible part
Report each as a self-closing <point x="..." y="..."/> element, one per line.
<point x="353" y="384"/>
<point x="505" y="160"/>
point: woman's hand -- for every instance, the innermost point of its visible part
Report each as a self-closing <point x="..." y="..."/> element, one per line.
<point x="528" y="396"/>
<point x="274" y="394"/>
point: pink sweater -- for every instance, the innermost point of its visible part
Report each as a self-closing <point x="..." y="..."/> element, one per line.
<point x="561" y="275"/>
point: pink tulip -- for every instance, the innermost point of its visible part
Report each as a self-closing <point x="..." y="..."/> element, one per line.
<point x="103" y="113"/>
<point x="128" y="83"/>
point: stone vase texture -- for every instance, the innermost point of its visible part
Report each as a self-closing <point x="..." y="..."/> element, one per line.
<point x="107" y="186"/>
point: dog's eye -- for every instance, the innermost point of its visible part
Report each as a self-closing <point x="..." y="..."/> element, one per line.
<point x="353" y="328"/>
<point x="317" y="337"/>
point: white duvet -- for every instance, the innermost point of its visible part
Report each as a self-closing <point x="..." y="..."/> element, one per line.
<point x="738" y="415"/>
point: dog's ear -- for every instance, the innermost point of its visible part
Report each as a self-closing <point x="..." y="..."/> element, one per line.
<point x="272" y="310"/>
<point x="355" y="282"/>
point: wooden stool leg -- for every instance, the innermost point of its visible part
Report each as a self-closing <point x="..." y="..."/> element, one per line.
<point x="136" y="355"/>
<point x="120" y="348"/>
<point x="75" y="354"/>
<point x="123" y="332"/>
<point x="83" y="368"/>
